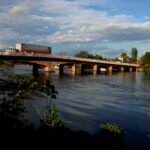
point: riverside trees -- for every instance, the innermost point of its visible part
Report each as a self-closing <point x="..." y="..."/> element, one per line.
<point x="146" y="58"/>
<point x="85" y="54"/>
<point x="134" y="53"/>
<point x="12" y="107"/>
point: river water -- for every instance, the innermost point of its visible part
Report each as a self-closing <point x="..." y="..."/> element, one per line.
<point x="84" y="102"/>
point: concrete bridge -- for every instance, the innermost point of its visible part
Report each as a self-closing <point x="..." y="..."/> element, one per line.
<point x="78" y="65"/>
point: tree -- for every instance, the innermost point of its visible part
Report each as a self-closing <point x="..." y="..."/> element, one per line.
<point x="83" y="54"/>
<point x="134" y="53"/>
<point x="146" y="58"/>
<point x="12" y="106"/>
<point x="125" y="56"/>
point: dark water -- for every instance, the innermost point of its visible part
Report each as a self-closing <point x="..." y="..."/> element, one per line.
<point x="85" y="102"/>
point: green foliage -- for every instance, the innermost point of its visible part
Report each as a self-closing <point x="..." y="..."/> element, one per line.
<point x="12" y="106"/>
<point x="33" y="85"/>
<point x="134" y="52"/>
<point x="53" y="120"/>
<point x="85" y="54"/>
<point x="148" y="136"/>
<point x="125" y="56"/>
<point x="49" y="89"/>
<point x="14" y="82"/>
<point x="112" y="129"/>
<point x="12" y="91"/>
<point x="146" y="58"/>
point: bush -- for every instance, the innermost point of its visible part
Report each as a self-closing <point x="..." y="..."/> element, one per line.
<point x="53" y="120"/>
<point x="112" y="129"/>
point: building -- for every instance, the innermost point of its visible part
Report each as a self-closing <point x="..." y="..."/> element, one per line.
<point x="30" y="48"/>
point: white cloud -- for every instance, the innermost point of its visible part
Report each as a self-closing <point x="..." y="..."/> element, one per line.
<point x="19" y="10"/>
<point x="62" y="21"/>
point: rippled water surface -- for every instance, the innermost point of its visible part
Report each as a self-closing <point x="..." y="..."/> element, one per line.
<point x="84" y="102"/>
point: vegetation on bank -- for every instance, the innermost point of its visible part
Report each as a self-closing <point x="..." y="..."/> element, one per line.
<point x="85" y="54"/>
<point x="124" y="56"/>
<point x="109" y="128"/>
<point x="14" y="127"/>
<point x="146" y="59"/>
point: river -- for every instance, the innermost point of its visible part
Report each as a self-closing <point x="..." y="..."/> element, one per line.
<point x="84" y="102"/>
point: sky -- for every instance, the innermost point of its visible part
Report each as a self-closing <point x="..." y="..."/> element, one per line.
<point x="106" y="27"/>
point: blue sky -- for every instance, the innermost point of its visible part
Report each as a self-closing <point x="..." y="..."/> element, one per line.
<point x="106" y="27"/>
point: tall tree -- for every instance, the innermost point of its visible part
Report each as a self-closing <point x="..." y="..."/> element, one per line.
<point x="85" y="54"/>
<point x="125" y="56"/>
<point x="134" y="53"/>
<point x="146" y="58"/>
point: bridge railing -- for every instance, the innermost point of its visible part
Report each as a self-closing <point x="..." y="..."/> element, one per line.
<point x="65" y="58"/>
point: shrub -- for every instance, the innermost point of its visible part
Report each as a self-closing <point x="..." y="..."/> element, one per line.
<point x="112" y="129"/>
<point x="53" y="119"/>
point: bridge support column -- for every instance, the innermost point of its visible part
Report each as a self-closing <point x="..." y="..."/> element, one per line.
<point x="109" y="68"/>
<point x="35" y="70"/>
<point x="61" y="69"/>
<point x="130" y="69"/>
<point x="122" y="69"/>
<point x="74" y="69"/>
<point x="47" y="69"/>
<point x="95" y="68"/>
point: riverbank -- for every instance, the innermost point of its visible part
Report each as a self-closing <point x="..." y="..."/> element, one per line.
<point x="16" y="130"/>
<point x="84" y="103"/>
<point x="61" y="137"/>
<point x="145" y="67"/>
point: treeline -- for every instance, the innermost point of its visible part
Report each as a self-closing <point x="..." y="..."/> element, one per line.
<point x="125" y="57"/>
<point x="146" y="58"/>
<point x="146" y="61"/>
<point x="85" y="54"/>
<point x="130" y="58"/>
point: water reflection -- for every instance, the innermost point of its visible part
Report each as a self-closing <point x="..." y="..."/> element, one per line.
<point x="86" y="101"/>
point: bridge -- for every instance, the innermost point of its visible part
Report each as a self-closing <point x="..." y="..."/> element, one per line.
<point x="77" y="64"/>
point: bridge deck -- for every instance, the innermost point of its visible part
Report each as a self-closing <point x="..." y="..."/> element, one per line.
<point x="48" y="57"/>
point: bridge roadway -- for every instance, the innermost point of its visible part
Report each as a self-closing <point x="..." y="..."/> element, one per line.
<point x="47" y="58"/>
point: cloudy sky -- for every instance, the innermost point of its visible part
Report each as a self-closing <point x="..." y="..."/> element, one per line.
<point x="106" y="27"/>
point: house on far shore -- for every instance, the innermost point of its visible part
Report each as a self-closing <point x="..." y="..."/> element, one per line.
<point x="139" y="62"/>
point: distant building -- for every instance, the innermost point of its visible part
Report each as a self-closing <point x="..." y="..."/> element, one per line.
<point x="11" y="50"/>
<point x="30" y="48"/>
<point x="139" y="62"/>
<point x="120" y="59"/>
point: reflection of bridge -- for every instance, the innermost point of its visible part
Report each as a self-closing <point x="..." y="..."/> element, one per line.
<point x="77" y="64"/>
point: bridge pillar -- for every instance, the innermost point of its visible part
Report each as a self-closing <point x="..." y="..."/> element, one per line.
<point x="109" y="68"/>
<point x="122" y="69"/>
<point x="47" y="69"/>
<point x="130" y="69"/>
<point x="35" y="70"/>
<point x="61" y="69"/>
<point x="95" y="69"/>
<point x="74" y="69"/>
